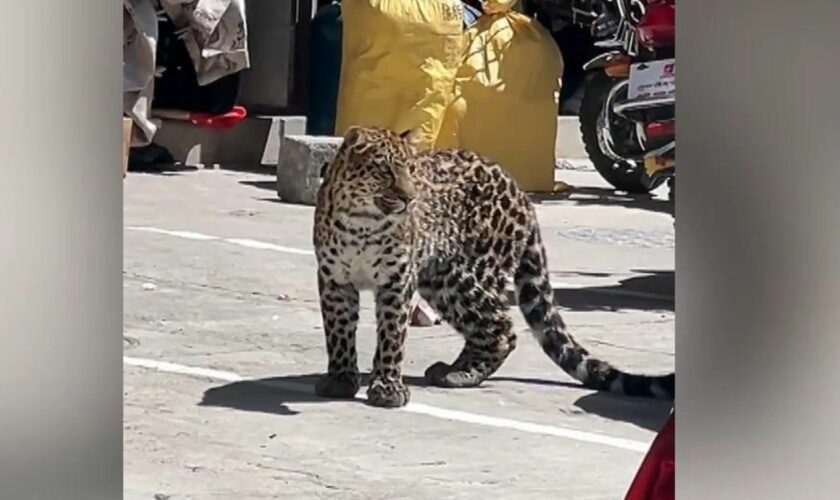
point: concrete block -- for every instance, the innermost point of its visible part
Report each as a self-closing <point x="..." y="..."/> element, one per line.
<point x="253" y="142"/>
<point x="241" y="145"/>
<point x="299" y="166"/>
<point x="189" y="144"/>
<point x="293" y="125"/>
<point x="281" y="127"/>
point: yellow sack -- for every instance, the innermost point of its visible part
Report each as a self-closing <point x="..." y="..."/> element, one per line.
<point x="506" y="94"/>
<point x="399" y="59"/>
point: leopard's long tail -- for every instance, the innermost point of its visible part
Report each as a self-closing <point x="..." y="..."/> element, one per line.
<point x="536" y="301"/>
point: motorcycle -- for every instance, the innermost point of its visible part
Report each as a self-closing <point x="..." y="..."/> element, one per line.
<point x="627" y="112"/>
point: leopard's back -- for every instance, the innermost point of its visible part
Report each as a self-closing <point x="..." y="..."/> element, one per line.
<point x="472" y="206"/>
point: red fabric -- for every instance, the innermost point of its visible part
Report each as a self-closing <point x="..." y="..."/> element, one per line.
<point x="655" y="478"/>
<point x="224" y="120"/>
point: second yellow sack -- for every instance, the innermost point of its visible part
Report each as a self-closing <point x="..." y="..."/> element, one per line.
<point x="506" y="92"/>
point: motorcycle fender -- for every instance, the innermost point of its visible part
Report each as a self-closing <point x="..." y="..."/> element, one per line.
<point x="603" y="60"/>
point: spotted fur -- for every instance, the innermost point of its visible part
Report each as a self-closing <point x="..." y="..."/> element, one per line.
<point x="456" y="228"/>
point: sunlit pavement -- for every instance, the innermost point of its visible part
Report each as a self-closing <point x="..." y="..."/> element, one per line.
<point x="223" y="341"/>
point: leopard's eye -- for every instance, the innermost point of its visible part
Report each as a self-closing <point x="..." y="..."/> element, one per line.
<point x="386" y="174"/>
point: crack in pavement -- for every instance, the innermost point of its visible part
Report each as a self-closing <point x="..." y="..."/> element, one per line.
<point x="310" y="477"/>
<point x="630" y="348"/>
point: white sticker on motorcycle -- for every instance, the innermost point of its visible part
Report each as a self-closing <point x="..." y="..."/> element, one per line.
<point x="652" y="79"/>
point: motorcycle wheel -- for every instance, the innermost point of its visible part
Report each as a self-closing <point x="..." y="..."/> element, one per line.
<point x="623" y="175"/>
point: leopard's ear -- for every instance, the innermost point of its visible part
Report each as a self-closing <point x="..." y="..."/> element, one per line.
<point x="354" y="135"/>
<point x="413" y="137"/>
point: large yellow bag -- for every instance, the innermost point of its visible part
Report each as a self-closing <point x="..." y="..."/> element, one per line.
<point x="506" y="95"/>
<point x="399" y="59"/>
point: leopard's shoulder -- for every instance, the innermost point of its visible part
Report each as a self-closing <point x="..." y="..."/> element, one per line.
<point x="478" y="177"/>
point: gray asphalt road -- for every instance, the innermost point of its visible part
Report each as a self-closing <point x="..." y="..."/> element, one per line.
<point x="223" y="342"/>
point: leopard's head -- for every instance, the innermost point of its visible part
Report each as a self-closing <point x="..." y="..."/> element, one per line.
<point x="372" y="168"/>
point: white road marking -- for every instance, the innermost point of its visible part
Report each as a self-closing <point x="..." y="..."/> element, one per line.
<point x="506" y="423"/>
<point x="263" y="245"/>
<point x="180" y="234"/>
<point x="165" y="366"/>
<point x="417" y="408"/>
<point x="243" y="242"/>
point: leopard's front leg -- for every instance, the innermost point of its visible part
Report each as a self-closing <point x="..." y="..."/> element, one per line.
<point x="340" y="313"/>
<point x="393" y="304"/>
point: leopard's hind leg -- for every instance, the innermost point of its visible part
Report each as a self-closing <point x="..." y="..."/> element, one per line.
<point x="474" y="306"/>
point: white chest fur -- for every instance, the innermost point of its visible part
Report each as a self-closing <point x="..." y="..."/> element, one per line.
<point x="365" y="251"/>
<point x="363" y="267"/>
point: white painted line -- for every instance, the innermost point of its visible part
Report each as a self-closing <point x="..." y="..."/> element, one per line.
<point x="180" y="234"/>
<point x="243" y="242"/>
<point x="263" y="245"/>
<point x="164" y="366"/>
<point x="506" y="423"/>
<point x="417" y="408"/>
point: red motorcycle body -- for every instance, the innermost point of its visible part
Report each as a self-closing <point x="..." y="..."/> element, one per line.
<point x="657" y="27"/>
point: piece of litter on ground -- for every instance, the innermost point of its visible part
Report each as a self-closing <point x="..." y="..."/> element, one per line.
<point x="275" y="317"/>
<point x="560" y="186"/>
<point x="422" y="313"/>
<point x="149" y="287"/>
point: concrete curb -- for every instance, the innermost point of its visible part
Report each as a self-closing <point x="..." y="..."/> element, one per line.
<point x="257" y="141"/>
<point x="299" y="165"/>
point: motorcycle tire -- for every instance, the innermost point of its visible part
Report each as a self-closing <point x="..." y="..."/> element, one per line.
<point x="623" y="177"/>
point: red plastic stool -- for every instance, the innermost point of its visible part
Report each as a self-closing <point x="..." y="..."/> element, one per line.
<point x="655" y="479"/>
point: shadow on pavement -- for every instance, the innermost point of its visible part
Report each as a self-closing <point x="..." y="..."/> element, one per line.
<point x="651" y="291"/>
<point x="162" y="169"/>
<point x="648" y="414"/>
<point x="538" y="381"/>
<point x="177" y="168"/>
<point x="267" y="185"/>
<point x="643" y="412"/>
<point x="271" y="186"/>
<point x="648" y="291"/>
<point x="607" y="197"/>
<point x="271" y="395"/>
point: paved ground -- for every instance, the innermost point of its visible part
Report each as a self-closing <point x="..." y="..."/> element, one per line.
<point x="223" y="341"/>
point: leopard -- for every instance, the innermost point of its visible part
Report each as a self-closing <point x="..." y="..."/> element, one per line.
<point x="398" y="219"/>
